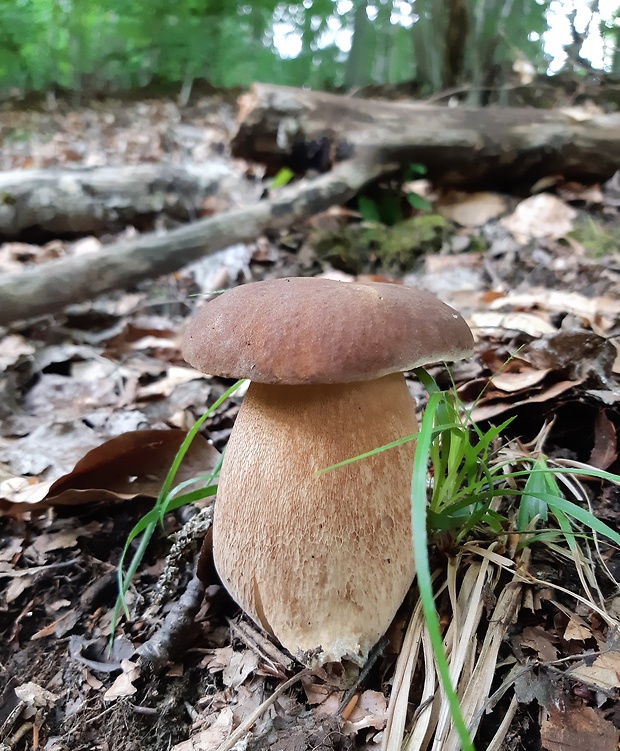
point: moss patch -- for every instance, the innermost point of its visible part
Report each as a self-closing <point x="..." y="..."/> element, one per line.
<point x="599" y="239"/>
<point x="362" y="248"/>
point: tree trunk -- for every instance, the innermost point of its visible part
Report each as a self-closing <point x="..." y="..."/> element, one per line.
<point x="358" y="63"/>
<point x="494" y="147"/>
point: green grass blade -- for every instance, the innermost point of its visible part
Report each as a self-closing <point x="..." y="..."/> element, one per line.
<point x="420" y="549"/>
<point x="165" y="502"/>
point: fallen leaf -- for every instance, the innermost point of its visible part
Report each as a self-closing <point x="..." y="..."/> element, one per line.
<point x="575" y="631"/>
<point x="129" y="465"/>
<point x="17" y="587"/>
<point x="175" y="376"/>
<point x="51" y="448"/>
<point x="370" y="712"/>
<point x="577" y="727"/>
<point x="536" y="638"/>
<point x="561" y="301"/>
<point x="605" y="450"/>
<point x="59" y="627"/>
<point x="523" y="379"/>
<point x="12" y="549"/>
<point x="604" y="673"/>
<point x="211" y="738"/>
<point x="543" y="216"/>
<point x="471" y="209"/>
<point x="13" y="347"/>
<point x="36" y="697"/>
<point x="491" y="321"/>
<point x="239" y="667"/>
<point x="123" y="685"/>
<point x="485" y="410"/>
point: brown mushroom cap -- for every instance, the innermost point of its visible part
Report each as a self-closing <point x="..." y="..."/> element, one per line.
<point x="306" y="330"/>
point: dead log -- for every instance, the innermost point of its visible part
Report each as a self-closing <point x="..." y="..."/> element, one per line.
<point x="494" y="147"/>
<point x="50" y="287"/>
<point x="80" y="201"/>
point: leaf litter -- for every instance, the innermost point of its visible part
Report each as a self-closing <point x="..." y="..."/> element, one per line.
<point x="94" y="406"/>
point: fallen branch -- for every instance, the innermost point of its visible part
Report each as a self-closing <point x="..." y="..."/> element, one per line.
<point x="460" y="147"/>
<point x="50" y="287"/>
<point x="91" y="200"/>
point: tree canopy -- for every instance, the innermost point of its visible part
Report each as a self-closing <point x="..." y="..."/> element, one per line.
<point x="107" y="45"/>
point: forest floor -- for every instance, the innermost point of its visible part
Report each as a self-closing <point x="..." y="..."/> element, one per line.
<point x="539" y="282"/>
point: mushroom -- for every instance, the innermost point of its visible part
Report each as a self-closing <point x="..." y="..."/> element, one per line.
<point x="320" y="562"/>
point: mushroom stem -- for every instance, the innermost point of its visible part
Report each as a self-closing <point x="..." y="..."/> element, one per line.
<point x="323" y="563"/>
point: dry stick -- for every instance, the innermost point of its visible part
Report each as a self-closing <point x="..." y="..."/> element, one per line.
<point x="374" y="655"/>
<point x="497" y="742"/>
<point x="256" y="714"/>
<point x="52" y="286"/>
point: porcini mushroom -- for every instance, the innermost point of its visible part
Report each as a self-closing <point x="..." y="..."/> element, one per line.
<point x="321" y="562"/>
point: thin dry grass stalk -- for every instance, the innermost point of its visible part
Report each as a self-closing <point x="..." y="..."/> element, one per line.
<point x="471" y="669"/>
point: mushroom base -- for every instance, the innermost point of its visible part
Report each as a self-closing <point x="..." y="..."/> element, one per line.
<point x="322" y="563"/>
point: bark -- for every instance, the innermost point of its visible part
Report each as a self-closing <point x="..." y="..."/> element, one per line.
<point x="494" y="147"/>
<point x="82" y="201"/>
<point x="50" y="287"/>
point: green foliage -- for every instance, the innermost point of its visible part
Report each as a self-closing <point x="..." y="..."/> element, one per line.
<point x="106" y="45"/>
<point x="282" y="178"/>
<point x="599" y="239"/>
<point x="366" y="247"/>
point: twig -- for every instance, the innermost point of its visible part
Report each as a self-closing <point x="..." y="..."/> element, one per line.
<point x="258" y="712"/>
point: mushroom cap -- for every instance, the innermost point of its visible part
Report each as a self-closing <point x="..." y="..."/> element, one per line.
<point x="304" y="330"/>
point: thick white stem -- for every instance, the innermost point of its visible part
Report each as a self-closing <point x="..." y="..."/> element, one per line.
<point x="324" y="562"/>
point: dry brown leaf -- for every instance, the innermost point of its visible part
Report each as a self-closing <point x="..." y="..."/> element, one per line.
<point x="35" y="698"/>
<point x="519" y="381"/>
<point x="123" y="685"/>
<point x="577" y="727"/>
<point x="604" y="673"/>
<point x="17" y="587"/>
<point x="485" y="410"/>
<point x="175" y="376"/>
<point x="562" y="301"/>
<point x="59" y="627"/>
<point x="13" y="347"/>
<point x="471" y="209"/>
<point x="576" y="631"/>
<point x="61" y="540"/>
<point x="605" y="450"/>
<point x="543" y="216"/>
<point x="239" y="667"/>
<point x="317" y="691"/>
<point x="370" y="712"/>
<point x="11" y="549"/>
<point x="536" y="638"/>
<point x="217" y="660"/>
<point x="529" y="323"/>
<point x="50" y="450"/>
<point x="211" y="738"/>
<point x="129" y="465"/>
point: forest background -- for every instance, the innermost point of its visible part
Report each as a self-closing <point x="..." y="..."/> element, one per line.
<point x="106" y="46"/>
